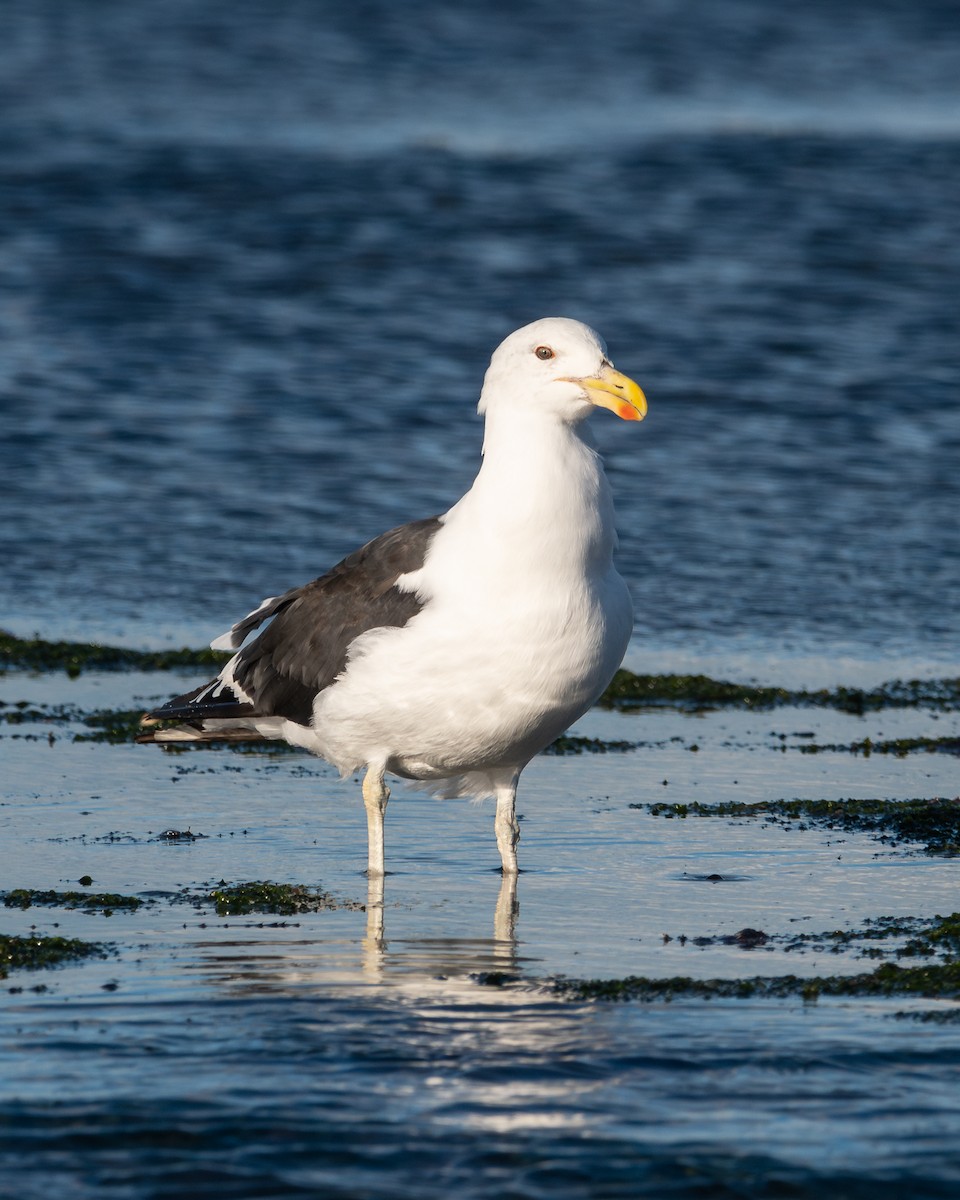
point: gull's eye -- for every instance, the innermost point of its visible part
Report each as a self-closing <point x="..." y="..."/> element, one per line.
<point x="544" y="352"/>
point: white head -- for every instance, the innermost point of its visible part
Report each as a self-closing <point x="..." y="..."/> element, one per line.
<point x="560" y="367"/>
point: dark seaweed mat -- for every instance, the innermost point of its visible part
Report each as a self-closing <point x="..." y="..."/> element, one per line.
<point x="228" y="899"/>
<point x="934" y="822"/>
<point x="569" y="743"/>
<point x="262" y="896"/>
<point x="32" y="953"/>
<point x="898" y="747"/>
<point x="935" y="981"/>
<point x="930" y="937"/>
<point x="35" y="654"/>
<point x="104" y="902"/>
<point x="114" y="726"/>
<point x="936" y="937"/>
<point x="628" y="691"/>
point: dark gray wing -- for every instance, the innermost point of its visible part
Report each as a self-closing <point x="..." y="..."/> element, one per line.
<point x="305" y="646"/>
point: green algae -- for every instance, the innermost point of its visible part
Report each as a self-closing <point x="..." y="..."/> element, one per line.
<point x="899" y="747"/>
<point x="920" y="937"/>
<point x="260" y="896"/>
<point x="34" y="953"/>
<point x="877" y="929"/>
<point x="573" y="744"/>
<point x="104" y="902"/>
<point x="937" y="980"/>
<point x="113" y="726"/>
<point x="940" y="938"/>
<point x="935" y="822"/>
<point x="35" y="654"/>
<point x="22" y="712"/>
<point x="629" y="691"/>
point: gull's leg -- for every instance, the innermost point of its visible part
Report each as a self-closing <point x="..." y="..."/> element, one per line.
<point x="375" y="797"/>
<point x="508" y="831"/>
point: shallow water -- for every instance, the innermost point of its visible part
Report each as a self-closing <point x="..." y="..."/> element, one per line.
<point x="253" y="259"/>
<point x="247" y="296"/>
<point x="358" y="1053"/>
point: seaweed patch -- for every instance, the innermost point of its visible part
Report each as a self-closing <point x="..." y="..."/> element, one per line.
<point x="697" y="692"/>
<point x="569" y="743"/>
<point x="34" y="953"/>
<point x="35" y="654"/>
<point x="935" y="823"/>
<point x="89" y="902"/>
<point x="937" y="980"/>
<point x="262" y="896"/>
<point x="937" y="937"/>
<point x="899" y="747"/>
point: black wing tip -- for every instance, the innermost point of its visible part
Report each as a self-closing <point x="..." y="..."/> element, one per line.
<point x="199" y="705"/>
<point x="198" y="713"/>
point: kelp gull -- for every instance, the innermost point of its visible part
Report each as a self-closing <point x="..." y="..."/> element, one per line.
<point x="452" y="650"/>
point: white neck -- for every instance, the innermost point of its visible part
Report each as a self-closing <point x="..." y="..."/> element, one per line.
<point x="541" y="486"/>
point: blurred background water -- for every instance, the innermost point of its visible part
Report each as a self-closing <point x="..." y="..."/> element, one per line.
<point x="254" y="258"/>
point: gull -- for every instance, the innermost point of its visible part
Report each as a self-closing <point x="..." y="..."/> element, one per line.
<point x="451" y="650"/>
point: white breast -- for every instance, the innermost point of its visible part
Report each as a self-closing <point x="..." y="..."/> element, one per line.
<point x="525" y="620"/>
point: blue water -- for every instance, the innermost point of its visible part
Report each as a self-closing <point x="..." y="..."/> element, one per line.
<point x="253" y="260"/>
<point x="330" y="1054"/>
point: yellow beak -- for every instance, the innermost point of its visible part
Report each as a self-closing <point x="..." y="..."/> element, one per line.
<point x="610" y="389"/>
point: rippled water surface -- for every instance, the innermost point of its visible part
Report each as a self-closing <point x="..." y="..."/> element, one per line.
<point x="253" y="261"/>
<point x="359" y="1053"/>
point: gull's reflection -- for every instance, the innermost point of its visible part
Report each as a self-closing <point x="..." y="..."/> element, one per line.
<point x="454" y="954"/>
<point x="374" y="944"/>
<point x="414" y="958"/>
<point x="505" y="916"/>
